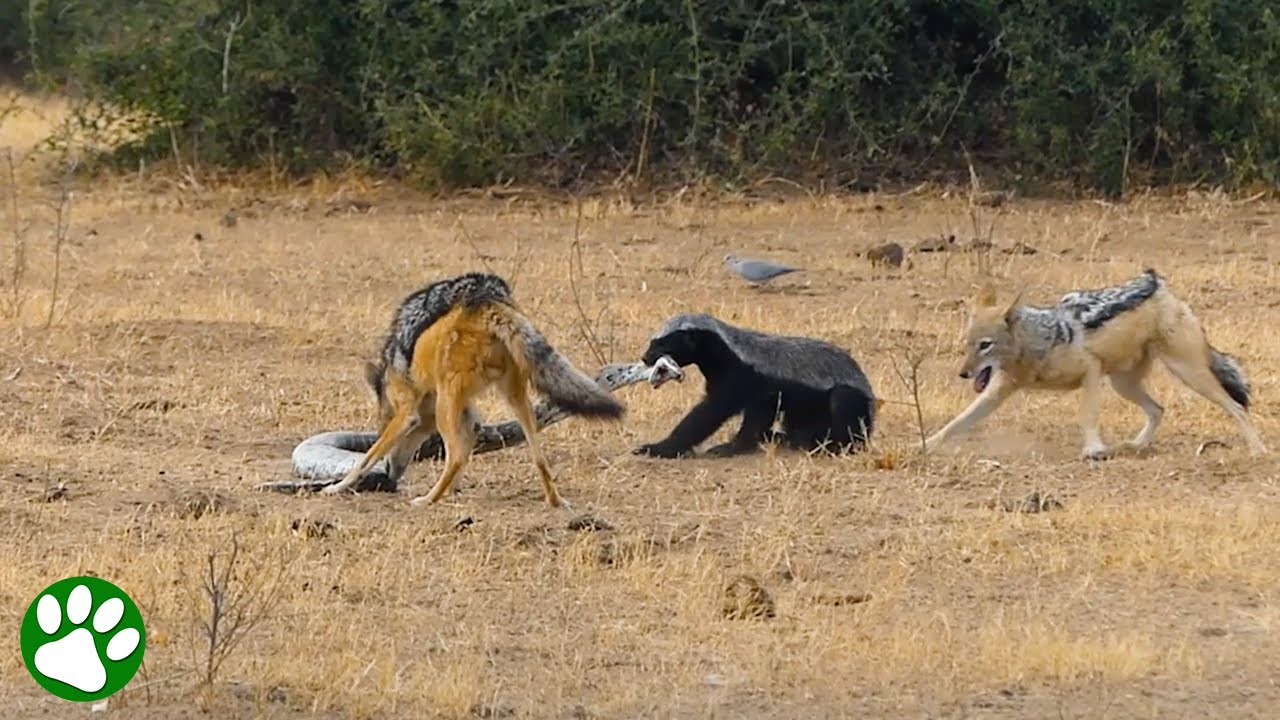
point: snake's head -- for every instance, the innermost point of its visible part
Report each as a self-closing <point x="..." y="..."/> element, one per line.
<point x="663" y="370"/>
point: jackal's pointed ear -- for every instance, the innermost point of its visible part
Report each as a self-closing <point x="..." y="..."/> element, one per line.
<point x="986" y="297"/>
<point x="1010" y="312"/>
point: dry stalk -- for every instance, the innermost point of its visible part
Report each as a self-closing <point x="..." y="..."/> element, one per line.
<point x="982" y="238"/>
<point x="647" y="128"/>
<point x="911" y="380"/>
<point x="19" y="255"/>
<point x="575" y="252"/>
<point x="62" y="210"/>
<point x="471" y="242"/>
<point x="231" y="601"/>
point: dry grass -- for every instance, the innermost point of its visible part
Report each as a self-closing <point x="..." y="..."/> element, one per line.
<point x="178" y="373"/>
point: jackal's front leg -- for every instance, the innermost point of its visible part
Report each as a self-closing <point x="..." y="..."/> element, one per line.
<point x="991" y="398"/>
<point x="392" y="435"/>
<point x="1090" y="399"/>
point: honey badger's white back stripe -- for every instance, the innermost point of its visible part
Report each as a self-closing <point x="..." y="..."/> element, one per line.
<point x="808" y="361"/>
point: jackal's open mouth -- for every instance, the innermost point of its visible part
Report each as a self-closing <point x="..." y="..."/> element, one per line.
<point x="981" y="379"/>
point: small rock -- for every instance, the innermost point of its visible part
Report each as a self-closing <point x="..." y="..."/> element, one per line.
<point x="589" y="522"/>
<point x="56" y="492"/>
<point x="841" y="600"/>
<point x="1033" y="503"/>
<point x="229" y="218"/>
<point x="196" y="504"/>
<point x="312" y="528"/>
<point x="890" y="254"/>
<point x="491" y="712"/>
<point x="993" y="198"/>
<point x="745" y="598"/>
<point x="464" y="524"/>
<point x="936" y="244"/>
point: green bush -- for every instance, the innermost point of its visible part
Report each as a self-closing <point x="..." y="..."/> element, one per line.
<point x="554" y="92"/>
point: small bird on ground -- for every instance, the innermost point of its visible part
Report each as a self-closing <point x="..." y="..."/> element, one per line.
<point x="756" y="272"/>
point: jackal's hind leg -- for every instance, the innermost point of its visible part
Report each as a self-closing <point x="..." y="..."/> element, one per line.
<point x="517" y="395"/>
<point x="458" y="430"/>
<point x="1129" y="385"/>
<point x="1199" y="377"/>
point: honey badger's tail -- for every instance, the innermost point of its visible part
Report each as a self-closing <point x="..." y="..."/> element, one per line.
<point x="551" y="373"/>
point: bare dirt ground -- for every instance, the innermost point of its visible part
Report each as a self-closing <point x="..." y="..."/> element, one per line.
<point x="187" y="356"/>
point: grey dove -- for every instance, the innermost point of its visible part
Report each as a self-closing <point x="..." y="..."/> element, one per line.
<point x="756" y="272"/>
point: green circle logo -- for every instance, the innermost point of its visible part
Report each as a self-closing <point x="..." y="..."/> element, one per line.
<point x="83" y="639"/>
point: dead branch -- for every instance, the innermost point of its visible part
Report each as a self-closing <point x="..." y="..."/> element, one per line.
<point x="19" y="255"/>
<point x="575" y="252"/>
<point x="911" y="380"/>
<point x="63" y="225"/>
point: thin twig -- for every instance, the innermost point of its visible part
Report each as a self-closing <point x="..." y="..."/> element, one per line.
<point x="19" y="270"/>
<point x="647" y="127"/>
<point x="911" y="380"/>
<point x="226" y="52"/>
<point x="575" y="251"/>
<point x="61" y="229"/>
<point x="236" y="600"/>
<point x="466" y="236"/>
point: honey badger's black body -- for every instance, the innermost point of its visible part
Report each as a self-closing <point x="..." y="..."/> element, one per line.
<point x="824" y="398"/>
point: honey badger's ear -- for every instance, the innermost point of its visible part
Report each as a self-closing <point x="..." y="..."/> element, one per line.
<point x="373" y="377"/>
<point x="985" y="297"/>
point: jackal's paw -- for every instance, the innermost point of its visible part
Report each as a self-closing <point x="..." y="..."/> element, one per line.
<point x="1135" y="447"/>
<point x="1096" y="452"/>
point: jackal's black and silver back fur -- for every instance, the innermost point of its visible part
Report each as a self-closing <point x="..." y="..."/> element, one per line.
<point x="1093" y="308"/>
<point x="552" y="374"/>
<point x="422" y="308"/>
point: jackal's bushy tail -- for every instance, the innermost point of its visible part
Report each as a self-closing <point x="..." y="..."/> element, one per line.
<point x="551" y="373"/>
<point x="1230" y="375"/>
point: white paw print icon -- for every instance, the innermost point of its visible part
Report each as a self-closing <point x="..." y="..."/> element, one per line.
<point x="75" y="658"/>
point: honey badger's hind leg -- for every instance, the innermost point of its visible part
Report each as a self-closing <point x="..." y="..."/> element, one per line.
<point x="839" y="420"/>
<point x="852" y="417"/>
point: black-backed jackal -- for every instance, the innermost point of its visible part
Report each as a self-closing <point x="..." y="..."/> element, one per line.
<point x="1113" y="332"/>
<point x="449" y="342"/>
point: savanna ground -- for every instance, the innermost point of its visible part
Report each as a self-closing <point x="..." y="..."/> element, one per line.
<point x="179" y="371"/>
